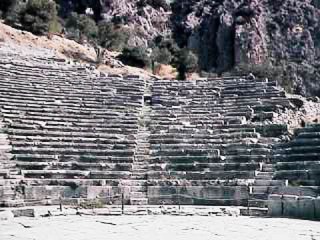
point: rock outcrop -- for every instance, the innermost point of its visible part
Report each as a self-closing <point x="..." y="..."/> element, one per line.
<point x="145" y="21"/>
<point x="224" y="33"/>
<point x="227" y="33"/>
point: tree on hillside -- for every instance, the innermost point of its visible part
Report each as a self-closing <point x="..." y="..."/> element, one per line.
<point x="136" y="57"/>
<point x="4" y="6"/>
<point x="187" y="62"/>
<point x="161" y="55"/>
<point x="80" y="25"/>
<point x="12" y="14"/>
<point x="38" y="16"/>
<point x="113" y="37"/>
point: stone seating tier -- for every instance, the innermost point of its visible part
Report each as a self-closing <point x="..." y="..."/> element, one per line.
<point x="63" y="123"/>
<point x="298" y="160"/>
<point x="78" y="135"/>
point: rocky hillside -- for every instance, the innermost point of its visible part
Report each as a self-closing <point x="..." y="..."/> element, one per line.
<point x="146" y="19"/>
<point x="226" y="33"/>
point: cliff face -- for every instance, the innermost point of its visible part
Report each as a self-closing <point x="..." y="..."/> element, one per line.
<point x="146" y="21"/>
<point x="225" y="33"/>
<point x="293" y="32"/>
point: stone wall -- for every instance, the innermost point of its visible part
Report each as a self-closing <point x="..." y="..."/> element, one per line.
<point x="294" y="206"/>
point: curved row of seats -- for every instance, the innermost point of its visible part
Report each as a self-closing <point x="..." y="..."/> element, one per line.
<point x="298" y="161"/>
<point x="75" y="134"/>
<point x="211" y="130"/>
<point x="63" y="122"/>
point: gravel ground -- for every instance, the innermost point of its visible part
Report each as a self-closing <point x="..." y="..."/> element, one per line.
<point x="157" y="227"/>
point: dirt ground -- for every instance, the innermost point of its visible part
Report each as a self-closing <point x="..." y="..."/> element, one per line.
<point x="158" y="227"/>
<point x="65" y="49"/>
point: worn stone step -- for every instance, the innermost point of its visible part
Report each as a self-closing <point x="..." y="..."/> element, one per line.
<point x="266" y="182"/>
<point x="138" y="201"/>
<point x="264" y="177"/>
<point x="259" y="203"/>
<point x="138" y="194"/>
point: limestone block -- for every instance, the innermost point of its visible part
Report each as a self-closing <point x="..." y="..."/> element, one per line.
<point x="99" y="192"/>
<point x="24" y="212"/>
<point x="199" y="195"/>
<point x="317" y="208"/>
<point x="275" y="208"/>
<point x="54" y="192"/>
<point x="290" y="206"/>
<point x="306" y="207"/>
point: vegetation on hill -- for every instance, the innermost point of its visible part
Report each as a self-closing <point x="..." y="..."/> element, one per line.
<point x="271" y="39"/>
<point x="43" y="16"/>
<point x="36" y="16"/>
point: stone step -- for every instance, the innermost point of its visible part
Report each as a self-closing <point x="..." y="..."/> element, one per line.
<point x="142" y="157"/>
<point x="264" y="173"/>
<point x="200" y="175"/>
<point x="260" y="189"/>
<point x="297" y="157"/>
<point x="259" y="203"/>
<point x="139" y="176"/>
<point x="266" y="182"/>
<point x="138" y="194"/>
<point x="139" y="188"/>
<point x="140" y="170"/>
<point x="75" y="174"/>
<point x="268" y="169"/>
<point x="300" y="175"/>
<point x="194" y="166"/>
<point x="303" y="165"/>
<point x="264" y="177"/>
<point x="138" y="201"/>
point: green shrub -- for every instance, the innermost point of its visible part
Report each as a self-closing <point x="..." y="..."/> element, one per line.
<point x="80" y="26"/>
<point x="13" y="15"/>
<point x="135" y="56"/>
<point x="281" y="73"/>
<point x="161" y="55"/>
<point x="38" y="16"/>
<point x="113" y="37"/>
<point x="187" y="62"/>
<point x="5" y="5"/>
<point x="55" y="26"/>
<point x="264" y="70"/>
<point x="165" y="50"/>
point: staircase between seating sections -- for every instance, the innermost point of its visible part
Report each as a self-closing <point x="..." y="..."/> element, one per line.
<point x="138" y="196"/>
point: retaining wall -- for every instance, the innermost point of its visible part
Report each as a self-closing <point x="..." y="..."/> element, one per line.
<point x="294" y="206"/>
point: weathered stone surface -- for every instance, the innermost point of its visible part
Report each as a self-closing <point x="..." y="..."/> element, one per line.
<point x="317" y="207"/>
<point x="290" y="206"/>
<point x="275" y="205"/>
<point x="306" y="207"/>
<point x="225" y="33"/>
<point x="24" y="212"/>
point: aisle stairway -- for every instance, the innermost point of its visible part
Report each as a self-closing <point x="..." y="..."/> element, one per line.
<point x="140" y="166"/>
<point x="263" y="185"/>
